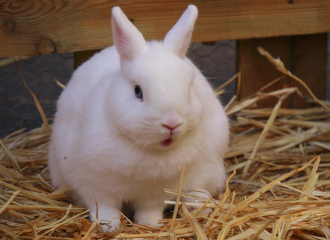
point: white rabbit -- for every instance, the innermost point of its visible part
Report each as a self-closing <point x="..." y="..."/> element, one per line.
<point x="128" y="120"/>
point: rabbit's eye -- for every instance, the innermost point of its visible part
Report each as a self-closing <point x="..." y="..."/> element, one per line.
<point x="138" y="92"/>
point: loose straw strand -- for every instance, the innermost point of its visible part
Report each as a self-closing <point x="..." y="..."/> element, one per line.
<point x="175" y="212"/>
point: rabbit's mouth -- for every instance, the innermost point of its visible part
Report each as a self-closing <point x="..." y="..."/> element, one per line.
<point x="167" y="142"/>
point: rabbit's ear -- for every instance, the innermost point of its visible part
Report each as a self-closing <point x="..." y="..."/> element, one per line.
<point x="127" y="38"/>
<point x="178" y="38"/>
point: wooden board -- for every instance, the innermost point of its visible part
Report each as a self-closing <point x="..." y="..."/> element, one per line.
<point x="305" y="56"/>
<point x="30" y="27"/>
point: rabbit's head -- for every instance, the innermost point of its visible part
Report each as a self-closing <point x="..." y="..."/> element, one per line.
<point x="154" y="101"/>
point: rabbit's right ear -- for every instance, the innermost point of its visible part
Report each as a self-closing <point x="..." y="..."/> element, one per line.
<point x="127" y="38"/>
<point x="178" y="38"/>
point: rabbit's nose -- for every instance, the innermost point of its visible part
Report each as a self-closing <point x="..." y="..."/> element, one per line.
<point x="170" y="127"/>
<point x="171" y="122"/>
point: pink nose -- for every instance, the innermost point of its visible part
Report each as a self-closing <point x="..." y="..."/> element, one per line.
<point x="170" y="127"/>
<point x="171" y="124"/>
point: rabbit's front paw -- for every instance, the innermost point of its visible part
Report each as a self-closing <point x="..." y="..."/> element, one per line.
<point x="108" y="217"/>
<point x="148" y="216"/>
<point x="111" y="225"/>
<point x="199" y="194"/>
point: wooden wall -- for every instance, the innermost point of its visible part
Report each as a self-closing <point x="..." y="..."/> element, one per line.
<point x="31" y="27"/>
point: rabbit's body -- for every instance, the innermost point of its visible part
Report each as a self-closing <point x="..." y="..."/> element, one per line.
<point x="114" y="147"/>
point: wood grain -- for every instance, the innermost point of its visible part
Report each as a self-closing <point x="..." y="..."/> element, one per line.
<point x="305" y="56"/>
<point x="30" y="27"/>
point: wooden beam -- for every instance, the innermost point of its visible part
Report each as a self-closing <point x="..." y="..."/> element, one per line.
<point x="305" y="56"/>
<point x="31" y="27"/>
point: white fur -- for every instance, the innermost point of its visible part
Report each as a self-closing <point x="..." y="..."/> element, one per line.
<point x="106" y="142"/>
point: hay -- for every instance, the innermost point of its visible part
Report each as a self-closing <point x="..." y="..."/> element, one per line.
<point x="279" y="184"/>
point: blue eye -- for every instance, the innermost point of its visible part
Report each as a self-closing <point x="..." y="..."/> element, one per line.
<point x="138" y="92"/>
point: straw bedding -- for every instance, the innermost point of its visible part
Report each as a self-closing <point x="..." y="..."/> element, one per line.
<point x="278" y="165"/>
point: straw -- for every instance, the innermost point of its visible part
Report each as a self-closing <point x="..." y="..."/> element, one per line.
<point x="279" y="187"/>
<point x="175" y="212"/>
<point x="41" y="111"/>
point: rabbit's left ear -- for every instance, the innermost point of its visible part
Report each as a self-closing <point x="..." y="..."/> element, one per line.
<point x="179" y="37"/>
<point x="127" y="38"/>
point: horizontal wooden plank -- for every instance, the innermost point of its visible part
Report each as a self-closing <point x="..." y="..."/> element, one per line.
<point x="30" y="27"/>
